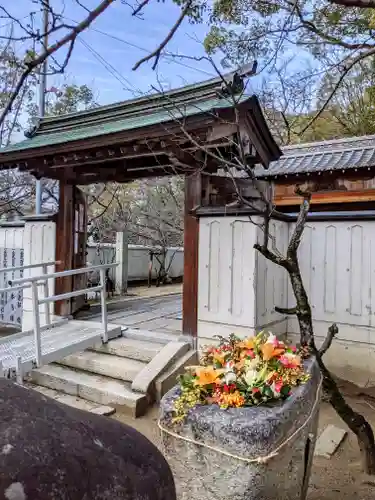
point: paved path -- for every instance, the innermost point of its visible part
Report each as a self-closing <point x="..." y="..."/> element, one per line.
<point x="160" y="314"/>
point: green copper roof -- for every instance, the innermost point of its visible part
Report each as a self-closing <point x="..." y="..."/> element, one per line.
<point x="128" y="115"/>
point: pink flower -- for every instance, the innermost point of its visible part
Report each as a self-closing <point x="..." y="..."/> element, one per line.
<point x="250" y="353"/>
<point x="278" y="386"/>
<point x="285" y="361"/>
<point x="294" y="348"/>
<point x="289" y="360"/>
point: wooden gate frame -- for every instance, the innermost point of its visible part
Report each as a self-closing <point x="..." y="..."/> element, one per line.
<point x="164" y="134"/>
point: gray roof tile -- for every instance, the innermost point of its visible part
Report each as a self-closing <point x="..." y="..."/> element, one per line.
<point x="340" y="154"/>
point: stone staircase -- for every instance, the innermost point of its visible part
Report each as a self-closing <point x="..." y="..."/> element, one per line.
<point x="127" y="374"/>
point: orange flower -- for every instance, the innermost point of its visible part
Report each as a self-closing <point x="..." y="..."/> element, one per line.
<point x="233" y="400"/>
<point x="248" y="343"/>
<point x="207" y="375"/>
<point x="269" y="351"/>
<point x="219" y="358"/>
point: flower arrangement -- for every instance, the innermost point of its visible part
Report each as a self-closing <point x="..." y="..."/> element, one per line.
<point x="239" y="373"/>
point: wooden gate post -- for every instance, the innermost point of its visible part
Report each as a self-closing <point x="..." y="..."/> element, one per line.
<point x="64" y="245"/>
<point x="193" y="196"/>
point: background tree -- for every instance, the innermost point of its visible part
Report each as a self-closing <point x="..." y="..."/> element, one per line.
<point x="329" y="39"/>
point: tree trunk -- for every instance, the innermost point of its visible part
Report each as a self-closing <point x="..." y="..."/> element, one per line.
<point x="356" y="422"/>
<point x="303" y="310"/>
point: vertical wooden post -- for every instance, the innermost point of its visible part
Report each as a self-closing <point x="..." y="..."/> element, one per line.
<point x="193" y="194"/>
<point x="64" y="246"/>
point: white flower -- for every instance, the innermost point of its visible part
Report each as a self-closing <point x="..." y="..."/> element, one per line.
<point x="251" y="364"/>
<point x="272" y="339"/>
<point x="250" y="376"/>
<point x="230" y="377"/>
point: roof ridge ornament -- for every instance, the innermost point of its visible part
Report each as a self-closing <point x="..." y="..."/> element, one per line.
<point x="31" y="132"/>
<point x="236" y="85"/>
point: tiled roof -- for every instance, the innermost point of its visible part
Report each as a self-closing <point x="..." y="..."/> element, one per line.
<point x="128" y="115"/>
<point x="340" y="154"/>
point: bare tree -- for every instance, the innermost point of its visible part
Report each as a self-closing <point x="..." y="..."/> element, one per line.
<point x="151" y="211"/>
<point x="57" y="41"/>
<point x="237" y="169"/>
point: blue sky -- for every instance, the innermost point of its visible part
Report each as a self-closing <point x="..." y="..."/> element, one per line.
<point x="118" y="38"/>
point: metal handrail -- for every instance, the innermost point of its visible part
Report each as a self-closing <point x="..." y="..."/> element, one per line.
<point x="19" y="287"/>
<point x="46" y="300"/>
<point x="29" y="266"/>
<point x="61" y="274"/>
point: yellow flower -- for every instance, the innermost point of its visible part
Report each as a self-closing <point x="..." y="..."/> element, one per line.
<point x="219" y="358"/>
<point x="207" y="375"/>
<point x="248" y="343"/>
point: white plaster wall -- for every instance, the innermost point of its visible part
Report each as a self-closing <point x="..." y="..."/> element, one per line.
<point x="337" y="261"/>
<point x="227" y="266"/>
<point x="271" y="281"/>
<point x="138" y="260"/>
<point x="238" y="288"/>
<point x="12" y="236"/>
<point x="39" y="246"/>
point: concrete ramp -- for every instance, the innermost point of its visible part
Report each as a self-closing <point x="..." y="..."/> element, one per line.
<point x="18" y="352"/>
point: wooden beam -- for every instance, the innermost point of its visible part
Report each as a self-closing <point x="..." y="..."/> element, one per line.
<point x="193" y="194"/>
<point x="328" y="197"/>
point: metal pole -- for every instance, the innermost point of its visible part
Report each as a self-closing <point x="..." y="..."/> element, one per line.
<point x="42" y="99"/>
<point x="46" y="295"/>
<point x="103" y="300"/>
<point x="36" y="319"/>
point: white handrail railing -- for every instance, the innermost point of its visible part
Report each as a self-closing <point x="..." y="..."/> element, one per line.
<point x="29" y="266"/>
<point x="61" y="274"/>
<point x="46" y="300"/>
<point x="27" y="281"/>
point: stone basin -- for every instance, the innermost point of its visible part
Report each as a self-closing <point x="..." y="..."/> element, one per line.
<point x="239" y="436"/>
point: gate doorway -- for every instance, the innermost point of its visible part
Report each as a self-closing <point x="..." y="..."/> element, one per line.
<point x="190" y="131"/>
<point x="71" y="239"/>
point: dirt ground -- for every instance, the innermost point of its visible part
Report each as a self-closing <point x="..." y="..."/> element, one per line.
<point x="338" y="478"/>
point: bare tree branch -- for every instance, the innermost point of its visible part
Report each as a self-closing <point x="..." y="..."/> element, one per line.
<point x="286" y="310"/>
<point x="157" y="52"/>
<point x="347" y="68"/>
<point x="139" y="7"/>
<point x="363" y="4"/>
<point x="37" y="61"/>
<point x="295" y="239"/>
<point x="331" y="334"/>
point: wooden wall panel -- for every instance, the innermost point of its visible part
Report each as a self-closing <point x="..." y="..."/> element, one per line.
<point x="339" y="190"/>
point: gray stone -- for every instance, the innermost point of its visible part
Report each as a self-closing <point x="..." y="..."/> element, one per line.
<point x="329" y="440"/>
<point x="49" y="450"/>
<point x="203" y="473"/>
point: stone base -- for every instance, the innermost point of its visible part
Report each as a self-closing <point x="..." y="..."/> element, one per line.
<point x="247" y="433"/>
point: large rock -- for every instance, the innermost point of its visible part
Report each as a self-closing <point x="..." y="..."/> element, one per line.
<point x="247" y="433"/>
<point x="52" y="451"/>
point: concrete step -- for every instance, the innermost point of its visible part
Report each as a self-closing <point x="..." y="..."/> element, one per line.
<point x="149" y="335"/>
<point x="75" y="402"/>
<point x="104" y="364"/>
<point x="130" y="348"/>
<point x="95" y="388"/>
